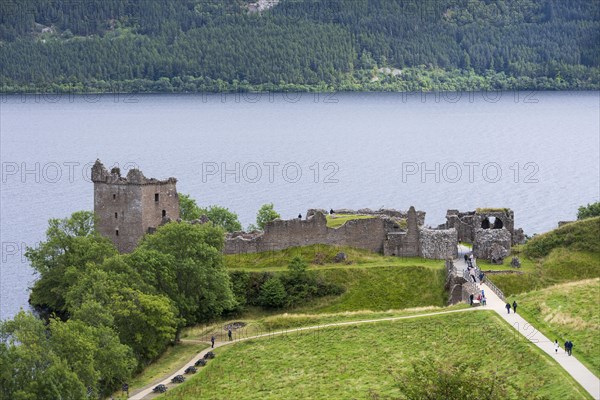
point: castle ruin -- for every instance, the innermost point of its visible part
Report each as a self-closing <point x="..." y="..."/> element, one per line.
<point x="127" y="208"/>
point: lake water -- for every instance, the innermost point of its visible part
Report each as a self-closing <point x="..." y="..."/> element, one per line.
<point x="537" y="153"/>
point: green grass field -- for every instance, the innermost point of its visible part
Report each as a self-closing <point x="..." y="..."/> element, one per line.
<point x="361" y="362"/>
<point x="337" y="220"/>
<point x="569" y="311"/>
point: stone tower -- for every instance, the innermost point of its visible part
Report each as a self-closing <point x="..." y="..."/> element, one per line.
<point x="127" y="208"/>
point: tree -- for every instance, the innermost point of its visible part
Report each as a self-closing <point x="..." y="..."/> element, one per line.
<point x="109" y="292"/>
<point x="266" y="214"/>
<point x="147" y="323"/>
<point x="221" y="216"/>
<point x="273" y="294"/>
<point x="297" y="268"/>
<point x="94" y="353"/>
<point x="591" y="210"/>
<point x="188" y="209"/>
<point x="71" y="244"/>
<point x="193" y="274"/>
<point x="30" y="369"/>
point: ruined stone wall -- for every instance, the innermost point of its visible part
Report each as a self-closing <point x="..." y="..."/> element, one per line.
<point x="127" y="208"/>
<point x="367" y="234"/>
<point x="489" y="241"/>
<point x="462" y="222"/>
<point x="438" y="244"/>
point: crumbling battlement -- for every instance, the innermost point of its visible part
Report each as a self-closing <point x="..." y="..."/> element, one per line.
<point x="127" y="208"/>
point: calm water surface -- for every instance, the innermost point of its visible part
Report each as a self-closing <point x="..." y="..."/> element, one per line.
<point x="537" y="153"/>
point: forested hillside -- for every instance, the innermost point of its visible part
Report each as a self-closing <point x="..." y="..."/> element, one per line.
<point x="197" y="45"/>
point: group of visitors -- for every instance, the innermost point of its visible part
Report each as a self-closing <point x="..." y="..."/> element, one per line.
<point x="514" y="307"/>
<point x="568" y="347"/>
<point x="480" y="298"/>
<point x="229" y="336"/>
<point x="472" y="268"/>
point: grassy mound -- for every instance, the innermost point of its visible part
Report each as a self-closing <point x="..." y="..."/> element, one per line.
<point x="568" y="312"/>
<point x="364" y="361"/>
<point x="384" y="288"/>
<point x="371" y="281"/>
<point x="582" y="235"/>
<point x="569" y="253"/>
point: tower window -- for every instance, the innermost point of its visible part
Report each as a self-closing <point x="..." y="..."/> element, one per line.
<point x="164" y="213"/>
<point x="116" y="215"/>
<point x="155" y="196"/>
<point x="117" y="232"/>
<point x="114" y="196"/>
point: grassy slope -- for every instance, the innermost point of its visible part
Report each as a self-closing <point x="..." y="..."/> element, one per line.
<point x="372" y="281"/>
<point x="360" y="361"/>
<point x="566" y="254"/>
<point x="568" y="311"/>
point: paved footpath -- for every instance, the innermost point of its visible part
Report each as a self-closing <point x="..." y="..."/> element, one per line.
<point x="576" y="369"/>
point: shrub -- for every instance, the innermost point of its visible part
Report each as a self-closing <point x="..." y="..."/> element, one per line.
<point x="273" y="294"/>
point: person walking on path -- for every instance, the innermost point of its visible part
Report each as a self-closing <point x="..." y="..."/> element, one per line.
<point x="229" y="334"/>
<point x="556" y="346"/>
<point x="508" y="307"/>
<point x="466" y="257"/>
<point x="483" y="300"/>
<point x="569" y="347"/>
<point x="472" y="273"/>
<point x="515" y="306"/>
<point x="212" y="342"/>
<point x="471" y="299"/>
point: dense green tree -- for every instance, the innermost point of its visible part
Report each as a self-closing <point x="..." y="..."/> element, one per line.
<point x="29" y="368"/>
<point x="188" y="209"/>
<point x="194" y="267"/>
<point x="273" y="294"/>
<point x="591" y="210"/>
<point x="266" y="214"/>
<point x="71" y="245"/>
<point x="221" y="216"/>
<point x="146" y="322"/>
<point x="93" y="353"/>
